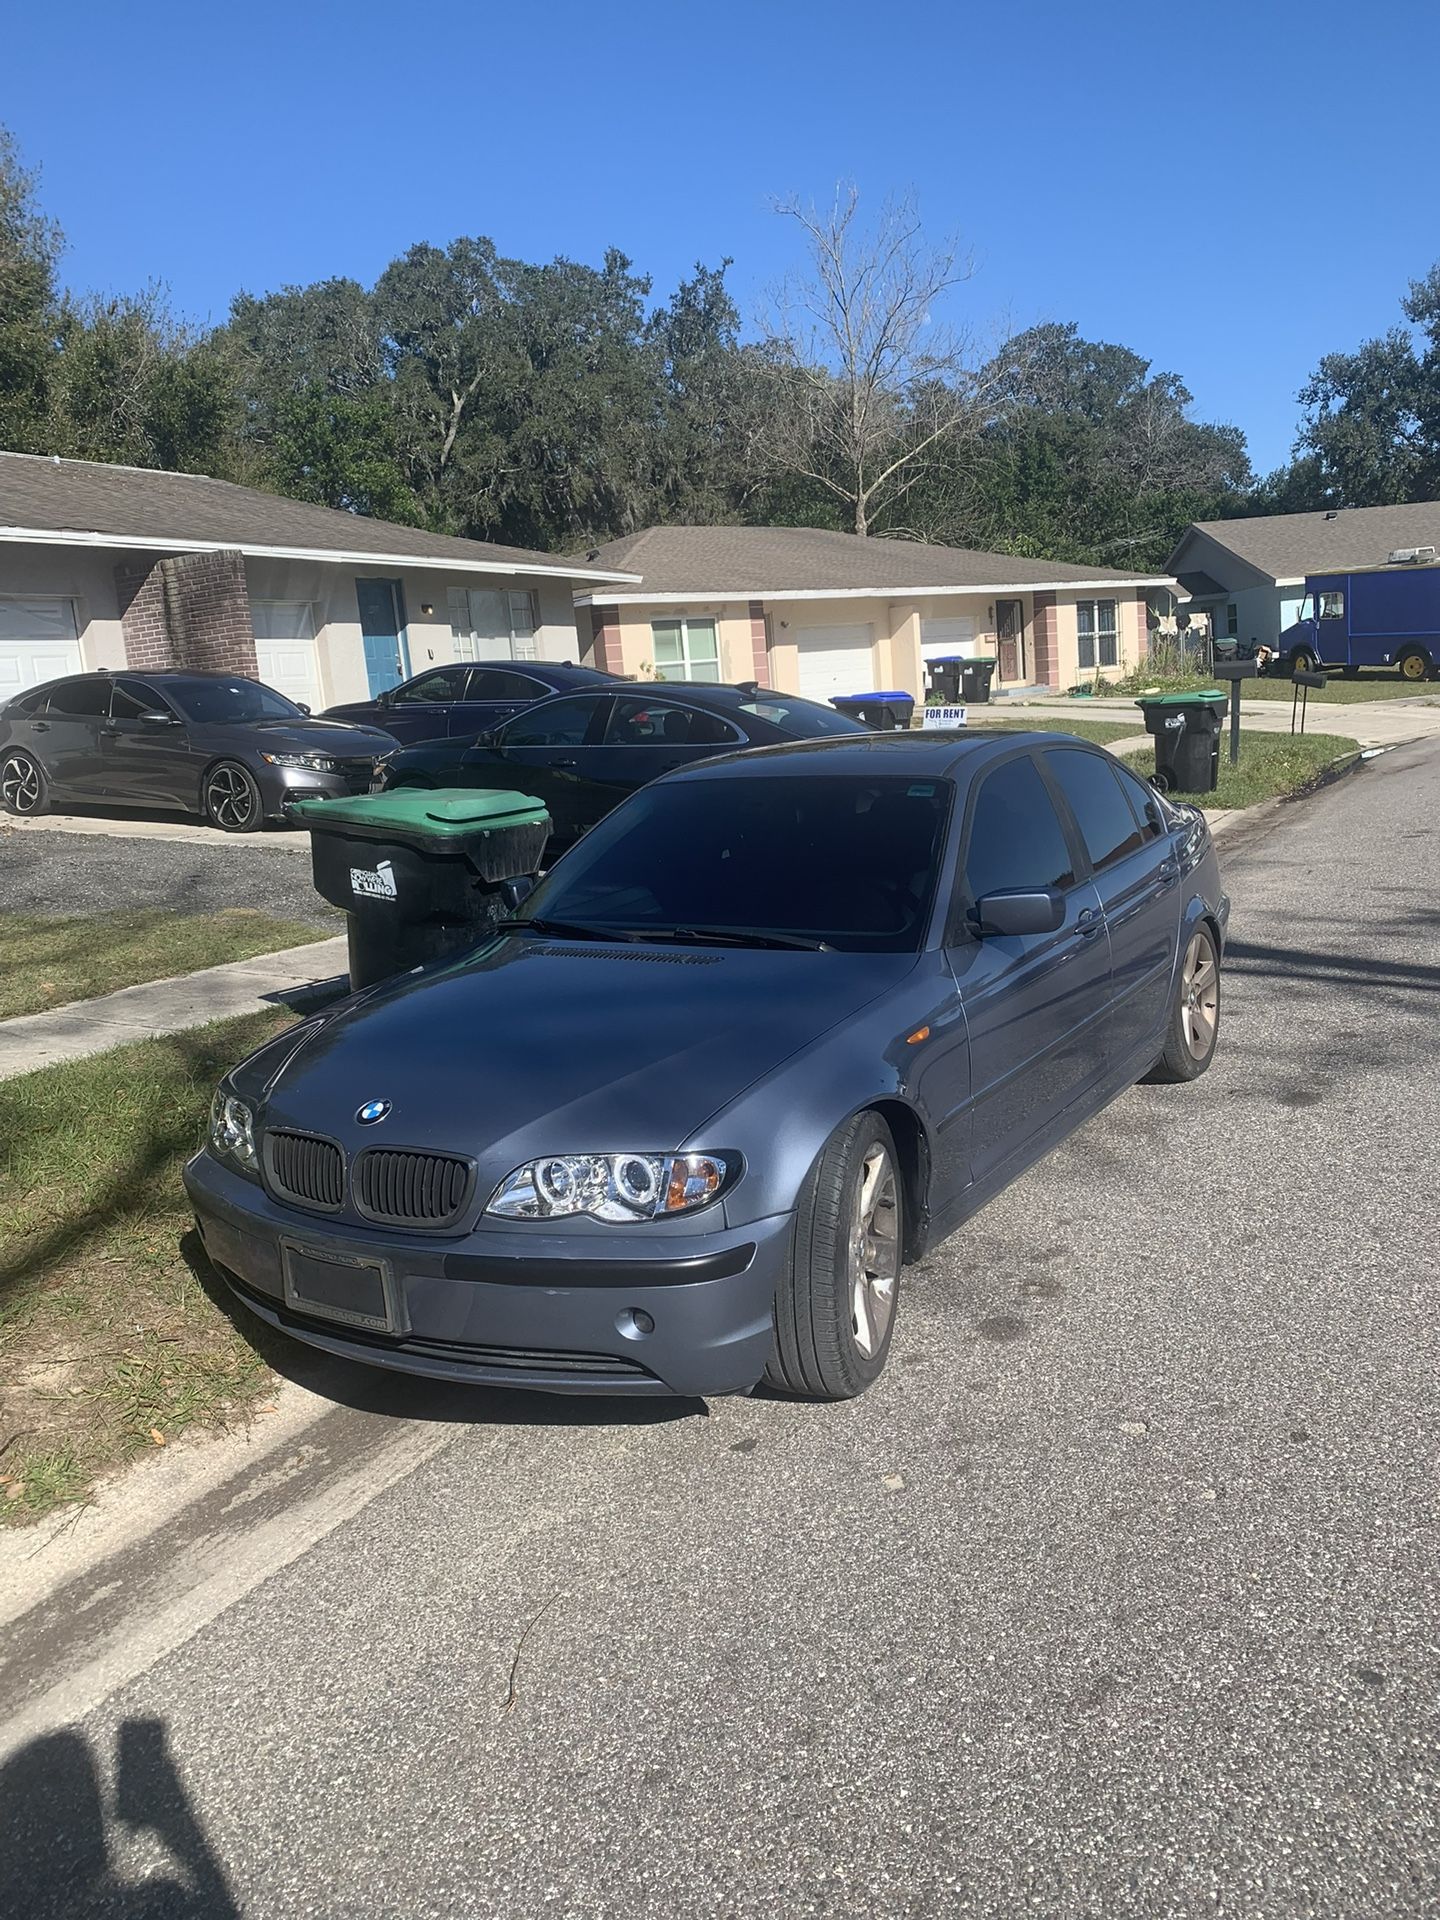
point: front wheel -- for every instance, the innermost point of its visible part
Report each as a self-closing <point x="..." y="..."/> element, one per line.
<point x="22" y="784"/>
<point x="1302" y="660"/>
<point x="232" y="799"/>
<point x="835" y="1311"/>
<point x="1414" y="666"/>
<point x="1194" y="1026"/>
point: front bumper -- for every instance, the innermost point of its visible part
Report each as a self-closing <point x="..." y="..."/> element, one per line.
<point x="281" y="787"/>
<point x="517" y="1309"/>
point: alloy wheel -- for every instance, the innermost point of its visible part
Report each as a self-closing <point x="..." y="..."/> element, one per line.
<point x="1200" y="997"/>
<point x="20" y="783"/>
<point x="874" y="1252"/>
<point x="230" y="797"/>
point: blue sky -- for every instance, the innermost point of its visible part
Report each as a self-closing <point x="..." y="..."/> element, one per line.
<point x="1231" y="190"/>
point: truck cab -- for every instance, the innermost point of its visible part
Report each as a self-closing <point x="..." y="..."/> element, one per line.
<point x="1385" y="616"/>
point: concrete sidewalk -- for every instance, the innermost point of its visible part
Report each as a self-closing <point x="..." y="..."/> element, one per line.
<point x="1374" y="723"/>
<point x="84" y="1027"/>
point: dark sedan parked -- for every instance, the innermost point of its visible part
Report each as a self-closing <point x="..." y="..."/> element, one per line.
<point x="780" y="1022"/>
<point x="461" y="701"/>
<point x="584" y="753"/>
<point x="215" y="744"/>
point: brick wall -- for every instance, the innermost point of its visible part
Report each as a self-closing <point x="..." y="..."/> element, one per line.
<point x="759" y="643"/>
<point x="189" y="610"/>
<point x="1046" y="632"/>
<point x="605" y="639"/>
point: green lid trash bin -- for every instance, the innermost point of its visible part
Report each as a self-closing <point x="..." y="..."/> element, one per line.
<point x="420" y="874"/>
<point x="976" y="672"/>
<point x="1186" y="728"/>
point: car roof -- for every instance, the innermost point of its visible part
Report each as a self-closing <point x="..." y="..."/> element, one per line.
<point x="932" y="755"/>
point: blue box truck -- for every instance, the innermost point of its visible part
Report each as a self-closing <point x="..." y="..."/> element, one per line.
<point x="1386" y="616"/>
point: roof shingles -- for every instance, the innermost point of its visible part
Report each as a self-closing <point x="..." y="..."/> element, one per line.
<point x="1288" y="545"/>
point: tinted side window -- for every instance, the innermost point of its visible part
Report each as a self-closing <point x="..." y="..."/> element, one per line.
<point x="446" y="683"/>
<point x="552" y="723"/>
<point x="491" y="683"/>
<point x="131" y="698"/>
<point x="1016" y="839"/>
<point x="638" y="722"/>
<point x="79" y="697"/>
<point x="1142" y="799"/>
<point x="24" y="702"/>
<point x="1102" y="813"/>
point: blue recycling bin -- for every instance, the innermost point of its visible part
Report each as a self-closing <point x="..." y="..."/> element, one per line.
<point x="883" y="712"/>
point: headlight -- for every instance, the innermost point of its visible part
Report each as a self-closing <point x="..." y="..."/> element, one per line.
<point x="311" y="762"/>
<point x="232" y="1130"/>
<point x="618" y="1187"/>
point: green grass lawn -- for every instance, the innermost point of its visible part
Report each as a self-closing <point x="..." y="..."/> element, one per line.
<point x="1337" y="692"/>
<point x="47" y="959"/>
<point x="110" y="1343"/>
<point x="1270" y="764"/>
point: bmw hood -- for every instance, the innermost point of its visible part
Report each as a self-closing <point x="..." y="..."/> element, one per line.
<point x="539" y="1046"/>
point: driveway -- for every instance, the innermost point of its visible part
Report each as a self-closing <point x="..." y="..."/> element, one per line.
<point x="1117" y="1597"/>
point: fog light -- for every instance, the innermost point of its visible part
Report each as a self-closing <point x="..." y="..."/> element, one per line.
<point x="634" y="1323"/>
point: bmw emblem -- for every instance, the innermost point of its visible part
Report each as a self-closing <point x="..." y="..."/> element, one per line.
<point x="372" y="1111"/>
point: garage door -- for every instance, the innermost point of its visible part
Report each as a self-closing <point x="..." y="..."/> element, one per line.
<point x="835" y="660"/>
<point x="285" y="650"/>
<point x="37" y="642"/>
<point x="941" y="637"/>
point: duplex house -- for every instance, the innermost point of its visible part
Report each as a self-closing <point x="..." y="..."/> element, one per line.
<point x="104" y="566"/>
<point x="819" y="613"/>
<point x="1248" y="576"/>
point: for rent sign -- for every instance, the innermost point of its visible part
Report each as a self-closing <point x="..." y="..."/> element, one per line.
<point x="944" y="717"/>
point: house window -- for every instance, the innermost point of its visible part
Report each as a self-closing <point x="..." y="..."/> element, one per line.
<point x="685" y="649"/>
<point x="1098" y="637"/>
<point x="488" y="623"/>
<point x="1232" y="621"/>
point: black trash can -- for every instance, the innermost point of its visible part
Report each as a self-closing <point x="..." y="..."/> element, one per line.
<point x="1186" y="727"/>
<point x="942" y="678"/>
<point x="975" y="678"/>
<point x="882" y="711"/>
<point x="420" y="874"/>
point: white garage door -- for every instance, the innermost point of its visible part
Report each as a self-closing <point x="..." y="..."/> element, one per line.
<point x="939" y="638"/>
<point x="835" y="660"/>
<point x="285" y="650"/>
<point x="37" y="642"/>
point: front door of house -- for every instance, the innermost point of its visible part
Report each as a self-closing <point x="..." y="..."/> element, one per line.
<point x="1010" y="633"/>
<point x="382" y="625"/>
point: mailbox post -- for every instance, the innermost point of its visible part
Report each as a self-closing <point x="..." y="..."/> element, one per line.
<point x="1235" y="671"/>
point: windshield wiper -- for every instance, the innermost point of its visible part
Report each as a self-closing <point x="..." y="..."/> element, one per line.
<point x="560" y="930"/>
<point x="729" y="937"/>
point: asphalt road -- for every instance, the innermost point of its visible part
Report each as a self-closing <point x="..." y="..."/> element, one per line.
<point x="1117" y="1597"/>
<point x="104" y="872"/>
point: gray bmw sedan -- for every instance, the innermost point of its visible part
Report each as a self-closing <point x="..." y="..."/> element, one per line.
<point x="777" y="1024"/>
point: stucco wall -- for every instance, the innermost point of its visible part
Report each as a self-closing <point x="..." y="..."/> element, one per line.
<point x="84" y="575"/>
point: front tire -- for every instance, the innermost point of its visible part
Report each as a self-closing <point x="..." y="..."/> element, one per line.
<point x="23" y="788"/>
<point x="1302" y="660"/>
<point x="835" y="1311"/>
<point x="1414" y="666"/>
<point x="232" y="799"/>
<point x="1194" y="1028"/>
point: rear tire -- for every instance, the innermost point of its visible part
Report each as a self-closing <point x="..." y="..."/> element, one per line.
<point x="835" y="1310"/>
<point x="24" y="790"/>
<point x="1194" y="1028"/>
<point x="232" y="799"/>
<point x="1414" y="665"/>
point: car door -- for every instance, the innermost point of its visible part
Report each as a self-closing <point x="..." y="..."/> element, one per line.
<point x="421" y="709"/>
<point x="66" y="735"/>
<point x="644" y="737"/>
<point x="494" y="695"/>
<point x="541" y="752"/>
<point x="1034" y="1004"/>
<point x="147" y="765"/>
<point x="1137" y="876"/>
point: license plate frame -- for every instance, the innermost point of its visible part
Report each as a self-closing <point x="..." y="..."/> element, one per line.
<point x="377" y="1306"/>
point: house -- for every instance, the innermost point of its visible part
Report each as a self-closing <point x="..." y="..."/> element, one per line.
<point x="829" y="613"/>
<point x="1248" y="575"/>
<point x="106" y="566"/>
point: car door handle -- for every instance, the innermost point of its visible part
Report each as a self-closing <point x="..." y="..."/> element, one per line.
<point x="1169" y="871"/>
<point x="39" y="726"/>
<point x="109" y="733"/>
<point x="563" y="763"/>
<point x="1089" y="923"/>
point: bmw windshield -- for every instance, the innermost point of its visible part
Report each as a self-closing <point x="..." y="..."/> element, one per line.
<point x="843" y="862"/>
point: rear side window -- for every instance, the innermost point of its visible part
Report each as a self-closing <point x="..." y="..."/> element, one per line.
<point x="492" y="683"/>
<point x="1142" y="799"/>
<point x="25" y="702"/>
<point x="1016" y="840"/>
<point x="82" y="698"/>
<point x="638" y="722"/>
<point x="552" y="723"/>
<point x="1097" y="800"/>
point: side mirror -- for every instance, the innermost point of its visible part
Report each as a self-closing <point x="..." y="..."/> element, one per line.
<point x="1040" y="911"/>
<point x="517" y="891"/>
<point x="485" y="738"/>
<point x="157" y="718"/>
<point x="302" y="706"/>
